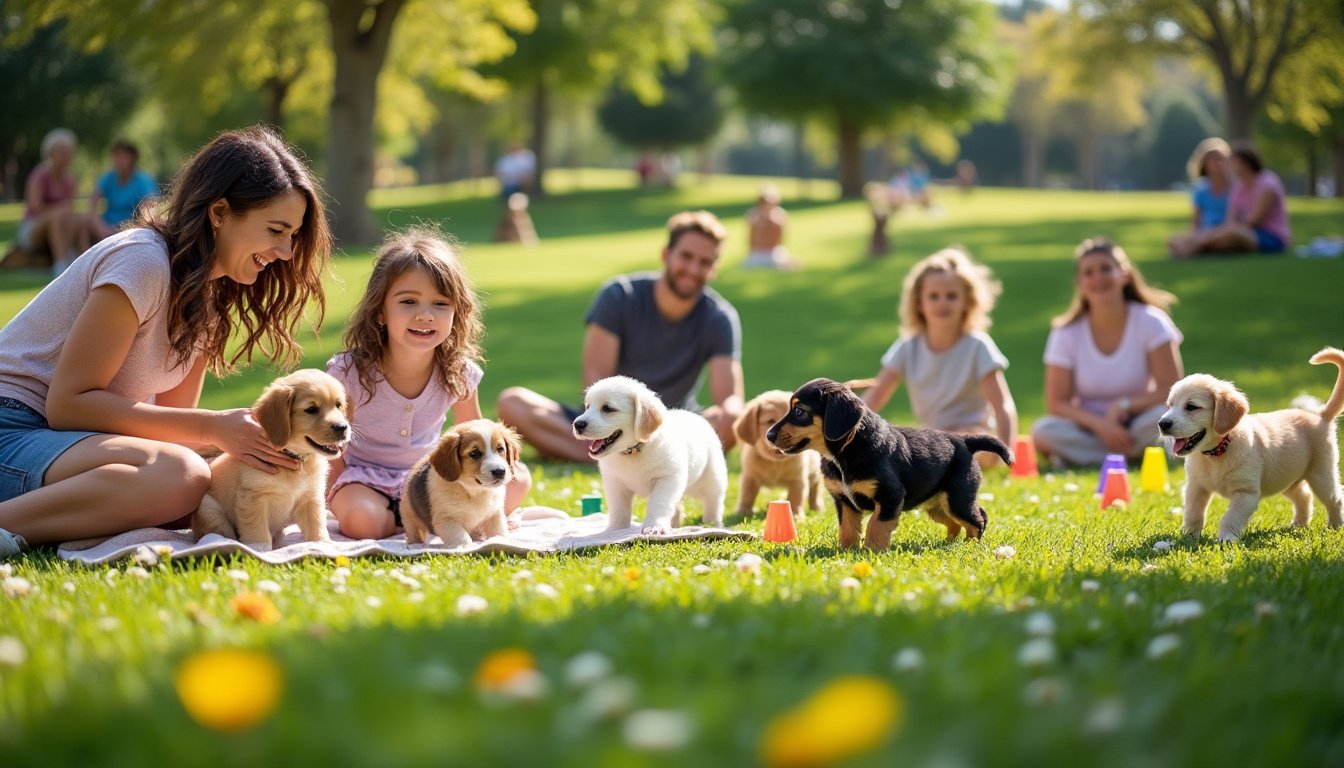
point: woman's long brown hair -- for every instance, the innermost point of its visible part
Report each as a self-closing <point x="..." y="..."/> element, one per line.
<point x="247" y="169"/>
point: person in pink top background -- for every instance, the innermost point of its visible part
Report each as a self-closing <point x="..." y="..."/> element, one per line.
<point x="1257" y="219"/>
<point x="49" y="217"/>
<point x="411" y="348"/>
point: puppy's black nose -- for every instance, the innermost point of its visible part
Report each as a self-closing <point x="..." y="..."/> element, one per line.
<point x="771" y="434"/>
<point x="498" y="472"/>
<point x="1164" y="424"/>
<point x="580" y="425"/>
<point x="340" y="429"/>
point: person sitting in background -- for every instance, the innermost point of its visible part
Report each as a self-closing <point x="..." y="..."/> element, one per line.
<point x="1211" y="182"/>
<point x="765" y="234"/>
<point x="123" y="188"/>
<point x="515" y="170"/>
<point x="1109" y="362"/>
<point x="49" y="218"/>
<point x="1257" y="219"/>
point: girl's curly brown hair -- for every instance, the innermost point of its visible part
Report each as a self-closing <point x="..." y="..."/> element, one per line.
<point x="247" y="169"/>
<point x="437" y="254"/>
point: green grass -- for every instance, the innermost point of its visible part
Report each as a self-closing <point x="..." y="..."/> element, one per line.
<point x="1255" y="680"/>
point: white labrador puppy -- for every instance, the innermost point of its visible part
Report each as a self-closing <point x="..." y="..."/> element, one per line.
<point x="1243" y="457"/>
<point x="644" y="448"/>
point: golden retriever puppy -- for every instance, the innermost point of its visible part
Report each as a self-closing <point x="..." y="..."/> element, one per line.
<point x="1244" y="457"/>
<point x="766" y="466"/>
<point x="644" y="448"/>
<point x="459" y="487"/>
<point x="307" y="414"/>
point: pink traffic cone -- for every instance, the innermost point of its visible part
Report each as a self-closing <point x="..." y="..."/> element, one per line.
<point x="1024" y="457"/>
<point x="779" y="526"/>
<point x="1116" y="488"/>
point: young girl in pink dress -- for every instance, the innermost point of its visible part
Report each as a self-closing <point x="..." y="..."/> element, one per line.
<point x="410" y="356"/>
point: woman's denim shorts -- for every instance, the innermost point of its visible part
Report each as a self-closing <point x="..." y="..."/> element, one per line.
<point x="28" y="446"/>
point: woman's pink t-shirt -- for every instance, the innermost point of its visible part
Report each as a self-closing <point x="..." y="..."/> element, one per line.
<point x="1243" y="200"/>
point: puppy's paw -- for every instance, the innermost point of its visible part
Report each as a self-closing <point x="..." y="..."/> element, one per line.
<point x="457" y="539"/>
<point x="260" y="546"/>
<point x="1228" y="537"/>
<point x="656" y="530"/>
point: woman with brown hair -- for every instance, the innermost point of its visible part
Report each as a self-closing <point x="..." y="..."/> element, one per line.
<point x="1109" y="362"/>
<point x="101" y="374"/>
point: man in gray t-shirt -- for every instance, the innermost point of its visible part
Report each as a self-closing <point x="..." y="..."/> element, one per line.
<point x="661" y="328"/>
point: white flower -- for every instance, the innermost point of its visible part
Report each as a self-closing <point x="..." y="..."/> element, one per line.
<point x="373" y="601"/>
<point x="700" y="620"/>
<point x="1070" y="487"/>
<point x="1131" y="599"/>
<point x="1177" y="510"/>
<point x="608" y="570"/>
<point x="849" y="582"/>
<point x="525" y="685"/>
<point x="419" y="569"/>
<point x="546" y="590"/>
<point x="471" y="604"/>
<point x="266" y="585"/>
<point x="69" y="586"/>
<point x="1040" y="624"/>
<point x="748" y="562"/>
<point x="1004" y="552"/>
<point x="1148" y="568"/>
<point x="523" y="575"/>
<point x="1264" y="608"/>
<point x="587" y="668"/>
<point x="908" y="660"/>
<point x="136" y="572"/>
<point x="341" y="571"/>
<point x="700" y="569"/>
<point x="109" y="623"/>
<point x="237" y="574"/>
<point x="719" y="562"/>
<point x="12" y="652"/>
<point x="1043" y="691"/>
<point x="1090" y="585"/>
<point x="986" y="496"/>
<point x="416" y="597"/>
<point x="16" y="586"/>
<point x="1183" y="611"/>
<point x="607" y="698"/>
<point x="436" y="677"/>
<point x="1106" y="716"/>
<point x="1036" y="652"/>
<point x="6" y="570"/>
<point x="949" y="598"/>
<point x="909" y="595"/>
<point x="209" y="586"/>
<point x="1161" y="546"/>
<point x="1034" y="499"/>
<point x="657" y="730"/>
<point x="672" y="570"/>
<point x="146" y="557"/>
<point x="1162" y="645"/>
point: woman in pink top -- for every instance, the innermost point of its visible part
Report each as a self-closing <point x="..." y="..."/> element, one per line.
<point x="1110" y="360"/>
<point x="411" y="351"/>
<point x="101" y="374"/>
<point x="49" y="217"/>
<point x="1257" y="219"/>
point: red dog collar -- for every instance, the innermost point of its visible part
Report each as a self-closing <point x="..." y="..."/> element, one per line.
<point x="1222" y="447"/>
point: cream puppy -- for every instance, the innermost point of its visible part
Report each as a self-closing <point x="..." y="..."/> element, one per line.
<point x="307" y="414"/>
<point x="766" y="466"/>
<point x="1245" y="457"/>
<point x="643" y="448"/>
<point x="459" y="487"/>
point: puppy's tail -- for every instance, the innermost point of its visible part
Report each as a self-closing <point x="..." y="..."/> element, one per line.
<point x="1335" y="405"/>
<point x="854" y="385"/>
<point x="989" y="444"/>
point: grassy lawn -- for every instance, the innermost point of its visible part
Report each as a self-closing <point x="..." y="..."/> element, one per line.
<point x="1070" y="635"/>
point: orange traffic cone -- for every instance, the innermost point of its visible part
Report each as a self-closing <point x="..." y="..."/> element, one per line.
<point x="1024" y="457"/>
<point x="1116" y="488"/>
<point x="779" y="522"/>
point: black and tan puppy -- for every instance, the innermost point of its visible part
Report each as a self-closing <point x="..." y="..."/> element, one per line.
<point x="872" y="466"/>
<point x="458" y="489"/>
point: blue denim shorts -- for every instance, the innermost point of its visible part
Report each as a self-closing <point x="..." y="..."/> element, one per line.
<point x="1267" y="242"/>
<point x="28" y="446"/>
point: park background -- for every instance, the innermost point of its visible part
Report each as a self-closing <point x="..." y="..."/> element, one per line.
<point x="1082" y="640"/>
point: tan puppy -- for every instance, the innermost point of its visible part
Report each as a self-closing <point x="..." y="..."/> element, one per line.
<point x="765" y="466"/>
<point x="459" y="487"/>
<point x="307" y="414"/>
<point x="1244" y="457"/>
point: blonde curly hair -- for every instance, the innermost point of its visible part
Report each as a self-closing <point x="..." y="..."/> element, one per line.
<point x="982" y="290"/>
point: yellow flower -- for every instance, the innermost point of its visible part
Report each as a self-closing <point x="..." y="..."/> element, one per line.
<point x="229" y="690"/>
<point x="501" y="668"/>
<point x="862" y="569"/>
<point x="848" y="717"/>
<point x="342" y="561"/>
<point x="631" y="574"/>
<point x="256" y="606"/>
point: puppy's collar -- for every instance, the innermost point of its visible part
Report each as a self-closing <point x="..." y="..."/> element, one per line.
<point x="1222" y="447"/>
<point x="632" y="449"/>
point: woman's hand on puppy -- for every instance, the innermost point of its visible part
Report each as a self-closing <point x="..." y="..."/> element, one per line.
<point x="236" y="433"/>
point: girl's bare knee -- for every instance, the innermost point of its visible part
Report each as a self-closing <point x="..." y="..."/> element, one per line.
<point x="364" y="522"/>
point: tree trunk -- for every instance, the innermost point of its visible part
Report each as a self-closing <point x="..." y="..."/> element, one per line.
<point x="360" y="48"/>
<point x="1033" y="158"/>
<point x="1240" y="109"/>
<point x="1337" y="155"/>
<point x="276" y="91"/>
<point x="541" y="116"/>
<point x="851" y="158"/>
<point x="1087" y="159"/>
<point x="1313" y="169"/>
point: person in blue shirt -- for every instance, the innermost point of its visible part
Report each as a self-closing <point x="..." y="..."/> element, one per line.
<point x="123" y="189"/>
<point x="1211" y="185"/>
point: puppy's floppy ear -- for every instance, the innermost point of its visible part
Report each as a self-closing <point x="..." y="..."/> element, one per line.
<point x="747" y="427"/>
<point x="844" y="411"/>
<point x="513" y="444"/>
<point x="1229" y="405"/>
<point x="445" y="460"/>
<point x="272" y="412"/>
<point x="649" y="414"/>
